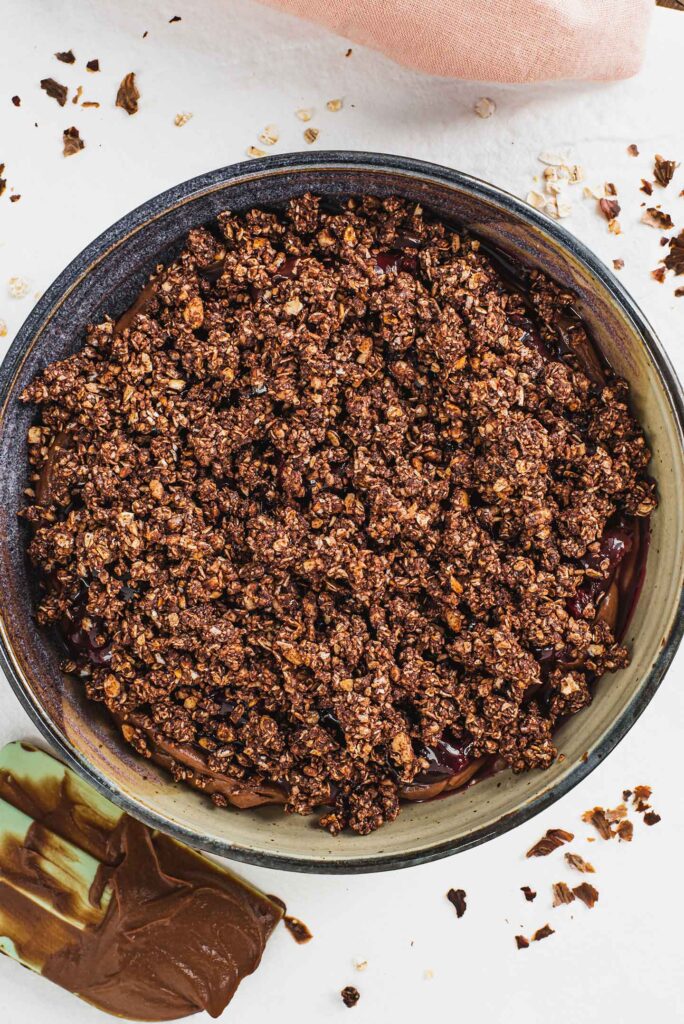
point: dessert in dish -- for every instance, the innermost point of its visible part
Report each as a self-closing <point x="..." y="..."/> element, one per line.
<point x="346" y="509"/>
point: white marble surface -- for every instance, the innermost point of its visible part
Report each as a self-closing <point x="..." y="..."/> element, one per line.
<point x="237" y="67"/>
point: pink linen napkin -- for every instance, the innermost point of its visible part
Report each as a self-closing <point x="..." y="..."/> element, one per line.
<point x="493" y="40"/>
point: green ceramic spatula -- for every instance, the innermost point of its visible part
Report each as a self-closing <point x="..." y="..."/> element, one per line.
<point x="54" y="831"/>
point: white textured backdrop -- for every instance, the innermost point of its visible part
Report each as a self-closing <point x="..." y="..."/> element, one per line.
<point x="238" y="67"/>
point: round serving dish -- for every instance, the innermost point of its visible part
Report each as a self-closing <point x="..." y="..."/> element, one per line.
<point x="105" y="278"/>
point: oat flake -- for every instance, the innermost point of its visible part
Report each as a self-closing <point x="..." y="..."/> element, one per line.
<point x="311" y="134"/>
<point x="485" y="107"/>
<point x="253" y="151"/>
<point x="18" y="287"/>
<point x="304" y="114"/>
<point x="181" y="119"/>
<point x="334" y="105"/>
<point x="269" y="136"/>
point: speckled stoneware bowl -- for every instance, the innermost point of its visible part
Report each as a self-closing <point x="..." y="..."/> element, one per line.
<point x="104" y="279"/>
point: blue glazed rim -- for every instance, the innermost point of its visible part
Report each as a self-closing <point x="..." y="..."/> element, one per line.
<point x="161" y="204"/>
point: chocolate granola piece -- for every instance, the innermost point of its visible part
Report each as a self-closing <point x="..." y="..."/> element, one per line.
<point x="597" y="817"/>
<point x="14" y="198"/>
<point x="350" y="996"/>
<point x="675" y="258"/>
<point x="561" y="894"/>
<point x="651" y="818"/>
<point x="663" y="170"/>
<point x="610" y="208"/>
<point x="458" y="898"/>
<point x="659" y="274"/>
<point x="549" y="842"/>
<point x="530" y="894"/>
<point x="656" y="218"/>
<point x="128" y="95"/>
<point x="579" y="863"/>
<point x="626" y="794"/>
<point x="587" y="894"/>
<point x="521" y="942"/>
<point x="641" y="794"/>
<point x="66" y="56"/>
<point x="646" y="187"/>
<point x="73" y="143"/>
<point x="334" y="516"/>
<point x="542" y="933"/>
<point x="625" y="831"/>
<point x="16" y="100"/>
<point x="93" y="65"/>
<point x="55" y="90"/>
<point x="633" y="149"/>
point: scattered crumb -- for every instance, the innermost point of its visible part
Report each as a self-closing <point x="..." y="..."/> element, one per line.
<point x="181" y="119"/>
<point x="536" y="199"/>
<point x="646" y="187"/>
<point x="350" y="996"/>
<point x="484" y="107"/>
<point x="73" y="143"/>
<point x="175" y="18"/>
<point x="18" y="287"/>
<point x="625" y="831"/>
<point x="79" y="93"/>
<point x="3" y="329"/>
<point x="15" y="198"/>
<point x="614" y="226"/>
<point x="679" y="293"/>
<point x="651" y="818"/>
<point x="633" y="150"/>
<point x="254" y="152"/>
<point x="529" y="894"/>
<point x="16" y="100"/>
<point x="597" y="818"/>
<point x="428" y="974"/>
<point x="554" y="159"/>
<point x="609" y="189"/>
<point x="334" y="105"/>
<point x="93" y="65"/>
<point x="561" y="894"/>
<point x="311" y="134"/>
<point x="55" y="90"/>
<point x="458" y="898"/>
<point x="675" y="258"/>
<point x="297" y="929"/>
<point x="592" y="193"/>
<point x="542" y="933"/>
<point x="618" y="264"/>
<point x="585" y="757"/>
<point x="66" y="57"/>
<point x="304" y="113"/>
<point x="349" y="52"/>
<point x="575" y="174"/>
<point x="656" y="218"/>
<point x="663" y="170"/>
<point x="90" y="103"/>
<point x="610" y="208"/>
<point x="128" y="95"/>
<point x="579" y="863"/>
<point x="616" y="813"/>
<point x="659" y="274"/>
<point x="3" y="181"/>
<point x="554" y="838"/>
<point x="521" y="942"/>
<point x="642" y="793"/>
<point x="587" y="894"/>
<point x="360" y="965"/>
<point x="269" y="136"/>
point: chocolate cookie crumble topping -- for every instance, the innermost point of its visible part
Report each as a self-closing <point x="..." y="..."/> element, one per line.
<point x="458" y="898"/>
<point x="344" y="510"/>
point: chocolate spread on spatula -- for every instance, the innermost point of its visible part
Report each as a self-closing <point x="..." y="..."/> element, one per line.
<point x="165" y="934"/>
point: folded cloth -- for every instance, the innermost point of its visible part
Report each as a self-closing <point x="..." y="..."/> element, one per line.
<point x="493" y="40"/>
